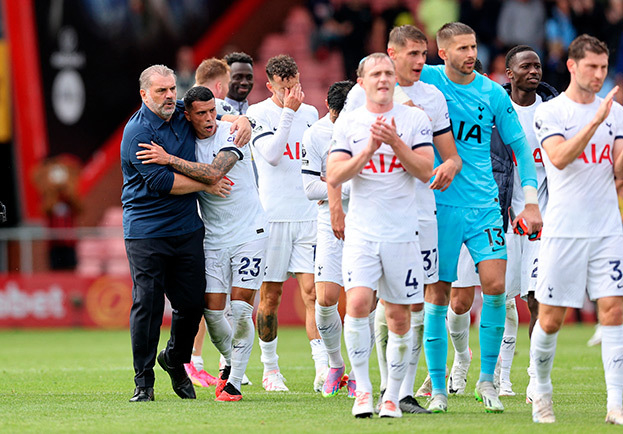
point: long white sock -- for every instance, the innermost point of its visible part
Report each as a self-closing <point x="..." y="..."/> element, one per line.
<point x="398" y="359"/>
<point x="269" y="355"/>
<point x="242" y="342"/>
<point x="542" y="352"/>
<point x="357" y="339"/>
<point x="380" y="336"/>
<point x="507" y="349"/>
<point x="371" y="319"/>
<point x="220" y="332"/>
<point x="417" y="329"/>
<point x="319" y="354"/>
<point x="227" y="313"/>
<point x="612" y="357"/>
<point x="458" y="326"/>
<point x="329" y="326"/>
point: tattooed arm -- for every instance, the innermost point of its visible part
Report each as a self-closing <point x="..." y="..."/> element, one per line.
<point x="205" y="173"/>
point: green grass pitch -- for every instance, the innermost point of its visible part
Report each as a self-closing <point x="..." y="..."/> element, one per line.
<point x="81" y="380"/>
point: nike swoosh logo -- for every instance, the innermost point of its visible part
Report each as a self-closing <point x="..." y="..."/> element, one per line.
<point x="620" y="285"/>
<point x="411" y="295"/>
<point x="246" y="279"/>
<point x="430" y="275"/>
<point x="569" y="128"/>
<point x="359" y="140"/>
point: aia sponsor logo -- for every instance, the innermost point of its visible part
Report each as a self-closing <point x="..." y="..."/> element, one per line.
<point x="296" y="155"/>
<point x="380" y="164"/>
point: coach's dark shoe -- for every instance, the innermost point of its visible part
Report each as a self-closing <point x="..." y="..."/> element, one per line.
<point x="143" y="394"/>
<point x="409" y="404"/>
<point x="179" y="378"/>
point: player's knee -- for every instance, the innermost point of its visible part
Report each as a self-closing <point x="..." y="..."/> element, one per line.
<point x="460" y="306"/>
<point x="611" y="315"/>
<point x="550" y="324"/>
<point x="358" y="307"/>
<point x="494" y="286"/>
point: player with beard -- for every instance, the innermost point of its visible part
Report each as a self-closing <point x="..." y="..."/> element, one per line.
<point x="468" y="211"/>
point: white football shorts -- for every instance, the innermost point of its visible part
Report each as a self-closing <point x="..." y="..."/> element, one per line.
<point x="328" y="265"/>
<point x="466" y="270"/>
<point x="430" y="253"/>
<point x="291" y="249"/>
<point x="521" y="265"/>
<point x="394" y="269"/>
<point x="241" y="266"/>
<point x="571" y="267"/>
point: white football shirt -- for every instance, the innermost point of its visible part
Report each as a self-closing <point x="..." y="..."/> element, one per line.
<point x="582" y="196"/>
<point x="431" y="100"/>
<point x="281" y="185"/>
<point x="316" y="146"/>
<point x="383" y="203"/>
<point x="239" y="217"/>
<point x="526" y="119"/>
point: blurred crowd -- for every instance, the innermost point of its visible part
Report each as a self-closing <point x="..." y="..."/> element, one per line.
<point x="358" y="27"/>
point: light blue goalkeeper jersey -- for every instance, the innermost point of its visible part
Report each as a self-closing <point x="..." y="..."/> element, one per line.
<point x="474" y="109"/>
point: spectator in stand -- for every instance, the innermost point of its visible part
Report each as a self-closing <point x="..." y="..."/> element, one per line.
<point x="185" y="70"/>
<point x="588" y="17"/>
<point x="522" y="22"/>
<point x="355" y="25"/>
<point x="479" y="15"/>
<point x="559" y="32"/>
<point x="395" y="14"/>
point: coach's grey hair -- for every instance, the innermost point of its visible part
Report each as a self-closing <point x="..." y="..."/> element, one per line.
<point x="144" y="80"/>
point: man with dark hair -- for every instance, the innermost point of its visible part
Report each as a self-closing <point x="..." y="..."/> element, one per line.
<point x="582" y="247"/>
<point x="235" y="234"/>
<point x="468" y="212"/>
<point x="527" y="92"/>
<point x="332" y="205"/>
<point x="281" y="121"/>
<point x="241" y="84"/>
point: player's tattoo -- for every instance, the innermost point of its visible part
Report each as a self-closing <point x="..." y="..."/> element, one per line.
<point x="206" y="173"/>
<point x="267" y="326"/>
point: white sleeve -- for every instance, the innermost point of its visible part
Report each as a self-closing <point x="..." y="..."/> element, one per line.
<point x="272" y="144"/>
<point x="339" y="142"/>
<point x="545" y="124"/>
<point x="441" y="117"/>
<point x="311" y="168"/>
<point x="422" y="132"/>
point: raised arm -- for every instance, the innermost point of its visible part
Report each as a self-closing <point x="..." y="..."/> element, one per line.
<point x="271" y="145"/>
<point x="563" y="152"/>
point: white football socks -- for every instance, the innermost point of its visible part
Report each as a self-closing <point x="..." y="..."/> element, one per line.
<point x="269" y="355"/>
<point x="458" y="326"/>
<point x="542" y="352"/>
<point x="329" y="326"/>
<point x="242" y="342"/>
<point x="417" y="330"/>
<point x="398" y="359"/>
<point x="380" y="336"/>
<point x="612" y="357"/>
<point x="357" y="339"/>
<point x="220" y="332"/>
<point x="509" y="340"/>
